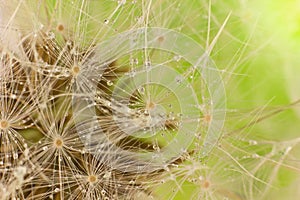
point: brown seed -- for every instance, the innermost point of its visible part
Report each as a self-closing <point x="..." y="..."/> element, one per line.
<point x="60" y="27"/>
<point x="58" y="143"/>
<point x="207" y="118"/>
<point x="92" y="179"/>
<point x="75" y="70"/>
<point x="4" y="124"/>
<point x="150" y="105"/>
<point x="206" y="184"/>
<point x="160" y="39"/>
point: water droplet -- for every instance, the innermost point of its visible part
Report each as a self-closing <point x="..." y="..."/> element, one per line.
<point x="51" y="35"/>
<point x="141" y="90"/>
<point x="56" y="190"/>
<point x="148" y="65"/>
<point x="74" y="51"/>
<point x="103" y="192"/>
<point x="178" y="79"/>
<point x="107" y="175"/>
<point x="288" y="149"/>
<point x="68" y="43"/>
<point x="134" y="61"/>
<point x="15" y="156"/>
<point x="255" y="156"/>
<point x="41" y="26"/>
<point x="252" y="142"/>
<point x="132" y="73"/>
<point x="106" y="21"/>
<point x="109" y="83"/>
<point x="179" y="114"/>
<point x="177" y="58"/>
<point x="121" y="2"/>
<point x="108" y="104"/>
<point x="140" y="20"/>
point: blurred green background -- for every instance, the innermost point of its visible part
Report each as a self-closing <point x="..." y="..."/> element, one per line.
<point x="258" y="53"/>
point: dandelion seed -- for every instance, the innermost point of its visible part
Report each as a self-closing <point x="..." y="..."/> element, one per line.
<point x="75" y="70"/>
<point x="60" y="27"/>
<point x="58" y="143"/>
<point x="4" y="124"/>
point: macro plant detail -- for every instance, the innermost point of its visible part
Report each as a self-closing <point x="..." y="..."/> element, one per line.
<point x="137" y="100"/>
<point x="156" y="99"/>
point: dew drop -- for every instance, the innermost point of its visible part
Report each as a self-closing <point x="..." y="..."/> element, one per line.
<point x="13" y="96"/>
<point x="103" y="192"/>
<point x="177" y="58"/>
<point x="134" y="61"/>
<point x="178" y="79"/>
<point x="68" y="43"/>
<point x="109" y="83"/>
<point x="107" y="175"/>
<point x="132" y="73"/>
<point x="252" y="142"/>
<point x="51" y="35"/>
<point x="15" y="156"/>
<point x="179" y="114"/>
<point x="121" y="2"/>
<point x="148" y="65"/>
<point x="141" y="90"/>
<point x="26" y="153"/>
<point x="255" y="156"/>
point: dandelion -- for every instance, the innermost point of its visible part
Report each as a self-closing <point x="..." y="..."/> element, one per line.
<point x="17" y="109"/>
<point x="94" y="180"/>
